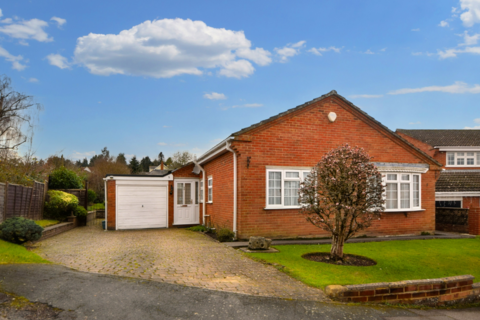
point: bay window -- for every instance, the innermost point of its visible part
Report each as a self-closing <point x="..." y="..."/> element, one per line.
<point x="402" y="191"/>
<point x="283" y="186"/>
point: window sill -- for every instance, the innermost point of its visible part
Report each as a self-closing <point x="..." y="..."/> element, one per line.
<point x="402" y="211"/>
<point x="209" y="202"/>
<point x="282" y="208"/>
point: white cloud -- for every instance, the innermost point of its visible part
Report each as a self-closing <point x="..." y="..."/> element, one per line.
<point x="58" y="60"/>
<point x="253" y="105"/>
<point x="318" y="51"/>
<point x="458" y="88"/>
<point x="417" y="53"/>
<point x="27" y="30"/>
<point x="60" y="22"/>
<point x="475" y="127"/>
<point x="6" y="20"/>
<point x="454" y="9"/>
<point x="369" y="52"/>
<point x="443" y="24"/>
<point x="451" y="53"/>
<point x="214" y="96"/>
<point x="416" y="30"/>
<point x="15" y="60"/>
<point x="367" y="96"/>
<point x="82" y="155"/>
<point x="34" y="80"/>
<point x="470" y="40"/>
<point x="1" y="13"/>
<point x="170" y="47"/>
<point x="383" y="50"/>
<point x="428" y="54"/>
<point x="167" y="126"/>
<point x="414" y="123"/>
<point x="472" y="15"/>
<point x="289" y="50"/>
<point x="162" y="144"/>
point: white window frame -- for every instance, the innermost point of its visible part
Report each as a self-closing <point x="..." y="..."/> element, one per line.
<point x="399" y="181"/>
<point x="210" y="190"/>
<point x="282" y="192"/>
<point x="476" y="159"/>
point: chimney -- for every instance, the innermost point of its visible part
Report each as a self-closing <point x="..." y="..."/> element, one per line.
<point x="161" y="165"/>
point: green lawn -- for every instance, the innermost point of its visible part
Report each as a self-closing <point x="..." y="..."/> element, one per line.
<point x="14" y="253"/>
<point x="46" y="223"/>
<point x="96" y="206"/>
<point x="396" y="260"/>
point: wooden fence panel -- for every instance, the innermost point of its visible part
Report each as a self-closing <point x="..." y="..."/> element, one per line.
<point x="21" y="201"/>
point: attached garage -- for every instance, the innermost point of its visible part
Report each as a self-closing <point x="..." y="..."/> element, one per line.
<point x="137" y="202"/>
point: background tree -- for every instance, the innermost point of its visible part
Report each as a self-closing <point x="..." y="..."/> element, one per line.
<point x="85" y="163"/>
<point x="104" y="166"/>
<point x="121" y="159"/>
<point x="16" y="115"/>
<point x="145" y="164"/>
<point x="342" y="195"/>
<point x="161" y="157"/>
<point x="168" y="162"/>
<point x="134" y="165"/>
<point x="179" y="159"/>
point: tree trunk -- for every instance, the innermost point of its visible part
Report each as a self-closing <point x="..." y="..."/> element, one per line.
<point x="336" y="252"/>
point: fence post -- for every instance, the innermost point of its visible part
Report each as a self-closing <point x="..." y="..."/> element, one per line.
<point x="86" y="194"/>
<point x="5" y="204"/>
<point x="30" y="202"/>
<point x="44" y="195"/>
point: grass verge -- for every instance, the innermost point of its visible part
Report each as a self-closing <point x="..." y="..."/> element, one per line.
<point x="14" y="253"/>
<point x="46" y="223"/>
<point x="396" y="261"/>
<point x="96" y="206"/>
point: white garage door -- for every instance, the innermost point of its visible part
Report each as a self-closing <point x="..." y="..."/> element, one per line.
<point x="140" y="207"/>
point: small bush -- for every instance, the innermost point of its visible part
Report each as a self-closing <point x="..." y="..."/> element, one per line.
<point x="425" y="233"/>
<point x="20" y="230"/>
<point x="92" y="196"/>
<point x="199" y="228"/>
<point x="63" y="178"/>
<point x="60" y="205"/>
<point x="224" y="234"/>
<point x="80" y="212"/>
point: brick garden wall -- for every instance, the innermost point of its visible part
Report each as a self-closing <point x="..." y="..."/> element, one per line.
<point x="300" y="139"/>
<point x="433" y="292"/>
<point x="474" y="221"/>
<point x="111" y="204"/>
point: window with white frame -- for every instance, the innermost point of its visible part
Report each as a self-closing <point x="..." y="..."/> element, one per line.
<point x="210" y="189"/>
<point x="463" y="159"/>
<point x="402" y="191"/>
<point x="200" y="191"/>
<point x="283" y="186"/>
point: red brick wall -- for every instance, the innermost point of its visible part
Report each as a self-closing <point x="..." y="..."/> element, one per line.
<point x="111" y="211"/>
<point x="221" y="208"/>
<point x="471" y="202"/>
<point x="474" y="221"/>
<point x="300" y="139"/>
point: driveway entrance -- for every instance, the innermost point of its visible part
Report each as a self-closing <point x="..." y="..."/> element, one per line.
<point x="171" y="255"/>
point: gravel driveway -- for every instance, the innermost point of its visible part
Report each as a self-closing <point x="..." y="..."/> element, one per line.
<point x="171" y="255"/>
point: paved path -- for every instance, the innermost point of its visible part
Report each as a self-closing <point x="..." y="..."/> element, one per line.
<point x="94" y="296"/>
<point x="171" y="255"/>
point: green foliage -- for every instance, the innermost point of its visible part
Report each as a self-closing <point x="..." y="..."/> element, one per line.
<point x="425" y="233"/>
<point x="63" y="178"/>
<point x="224" y="235"/>
<point x="396" y="261"/>
<point x="20" y="230"/>
<point x="97" y="206"/>
<point x="46" y="223"/>
<point x="198" y="228"/>
<point x="60" y="205"/>
<point x="80" y="212"/>
<point x="134" y="165"/>
<point x="14" y="253"/>
<point x="91" y="196"/>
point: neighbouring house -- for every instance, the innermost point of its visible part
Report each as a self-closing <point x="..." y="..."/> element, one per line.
<point x="159" y="170"/>
<point x="459" y="153"/>
<point x="249" y="182"/>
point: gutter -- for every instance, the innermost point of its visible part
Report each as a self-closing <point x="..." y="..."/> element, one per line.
<point x="214" y="151"/>
<point x="203" y="185"/>
<point x="234" y="188"/>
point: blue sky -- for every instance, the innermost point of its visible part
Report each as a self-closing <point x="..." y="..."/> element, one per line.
<point x="148" y="76"/>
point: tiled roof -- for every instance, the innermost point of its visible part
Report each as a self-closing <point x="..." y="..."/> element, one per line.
<point x="458" y="181"/>
<point x="437" y="138"/>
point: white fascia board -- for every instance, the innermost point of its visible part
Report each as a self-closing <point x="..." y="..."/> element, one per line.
<point x="222" y="146"/>
<point x="140" y="178"/>
<point x="213" y="155"/>
<point x="457" y="194"/>
<point x="458" y="148"/>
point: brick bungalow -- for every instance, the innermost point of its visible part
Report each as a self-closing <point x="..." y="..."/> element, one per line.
<point x="249" y="181"/>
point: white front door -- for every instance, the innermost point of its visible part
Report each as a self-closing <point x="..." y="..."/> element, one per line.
<point x="186" y="202"/>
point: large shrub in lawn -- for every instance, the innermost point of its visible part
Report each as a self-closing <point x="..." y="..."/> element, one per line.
<point x="20" y="230"/>
<point x="63" y="178"/>
<point x="60" y="205"/>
